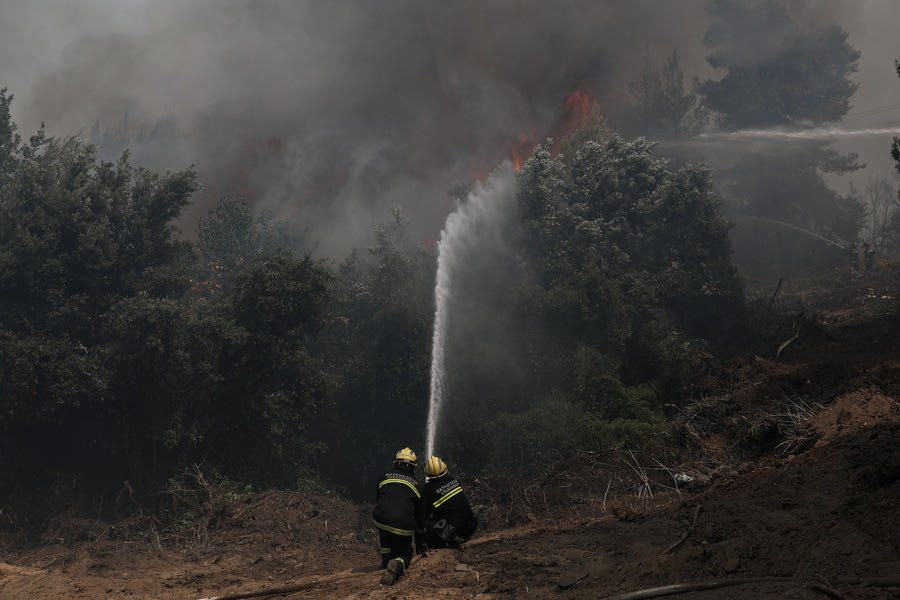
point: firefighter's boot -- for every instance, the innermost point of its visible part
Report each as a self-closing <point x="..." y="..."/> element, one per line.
<point x="393" y="572"/>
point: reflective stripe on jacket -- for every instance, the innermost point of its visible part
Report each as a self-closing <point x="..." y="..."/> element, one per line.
<point x="398" y="504"/>
<point x="445" y="499"/>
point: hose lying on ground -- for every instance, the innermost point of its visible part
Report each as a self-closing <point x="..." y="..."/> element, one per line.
<point x="296" y="587"/>
<point x="680" y="588"/>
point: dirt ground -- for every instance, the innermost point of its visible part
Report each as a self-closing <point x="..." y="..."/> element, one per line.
<point x="780" y="479"/>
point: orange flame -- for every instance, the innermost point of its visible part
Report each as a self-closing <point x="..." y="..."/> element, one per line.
<point x="580" y="102"/>
<point x="523" y="147"/>
<point x="578" y="107"/>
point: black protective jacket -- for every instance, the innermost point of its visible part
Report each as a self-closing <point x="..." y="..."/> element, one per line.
<point x="445" y="499"/>
<point x="398" y="503"/>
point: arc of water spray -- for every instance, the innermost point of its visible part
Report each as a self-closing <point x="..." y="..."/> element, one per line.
<point x="806" y="231"/>
<point x="819" y="133"/>
<point x="487" y="204"/>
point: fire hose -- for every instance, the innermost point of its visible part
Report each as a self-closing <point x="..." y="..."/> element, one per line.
<point x="295" y="587"/>
<point x="680" y="588"/>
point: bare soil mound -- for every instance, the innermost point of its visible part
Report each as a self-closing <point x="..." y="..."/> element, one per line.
<point x="781" y="479"/>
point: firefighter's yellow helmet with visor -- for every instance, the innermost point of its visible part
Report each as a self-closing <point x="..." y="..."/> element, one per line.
<point x="406" y="456"/>
<point x="435" y="467"/>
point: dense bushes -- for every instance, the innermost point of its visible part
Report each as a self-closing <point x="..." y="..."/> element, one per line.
<point x="627" y="281"/>
<point x="127" y="354"/>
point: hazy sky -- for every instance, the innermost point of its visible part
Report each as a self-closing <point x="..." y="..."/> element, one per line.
<point x="329" y="111"/>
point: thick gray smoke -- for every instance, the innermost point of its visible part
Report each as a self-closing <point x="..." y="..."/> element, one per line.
<point x="327" y="112"/>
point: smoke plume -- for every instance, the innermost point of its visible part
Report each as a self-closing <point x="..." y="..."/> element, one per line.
<point x="326" y="113"/>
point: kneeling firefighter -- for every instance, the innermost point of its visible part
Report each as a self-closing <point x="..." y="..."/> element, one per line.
<point x="449" y="520"/>
<point x="398" y="515"/>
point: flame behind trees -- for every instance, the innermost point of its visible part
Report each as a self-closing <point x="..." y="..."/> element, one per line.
<point x="579" y="107"/>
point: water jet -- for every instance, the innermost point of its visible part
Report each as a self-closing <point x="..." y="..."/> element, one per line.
<point x="473" y="222"/>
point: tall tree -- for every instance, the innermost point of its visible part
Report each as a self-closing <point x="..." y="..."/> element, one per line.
<point x="231" y="236"/>
<point x="273" y="384"/>
<point x="78" y="237"/>
<point x="776" y="73"/>
<point x="779" y="74"/>
<point x="662" y="107"/>
<point x="627" y="276"/>
<point x="380" y="347"/>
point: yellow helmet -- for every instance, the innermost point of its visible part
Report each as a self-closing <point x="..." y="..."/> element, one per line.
<point x="435" y="467"/>
<point x="406" y="456"/>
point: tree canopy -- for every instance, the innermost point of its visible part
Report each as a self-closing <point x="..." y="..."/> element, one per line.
<point x="130" y="354"/>
<point x="661" y="106"/>
<point x="776" y="73"/>
<point x="627" y="278"/>
<point x="83" y="243"/>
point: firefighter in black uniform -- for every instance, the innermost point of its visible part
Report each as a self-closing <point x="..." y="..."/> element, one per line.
<point x="398" y="515"/>
<point x="869" y="256"/>
<point x="449" y="520"/>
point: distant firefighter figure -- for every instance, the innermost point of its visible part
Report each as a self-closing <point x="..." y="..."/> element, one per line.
<point x="869" y="255"/>
<point x="854" y="257"/>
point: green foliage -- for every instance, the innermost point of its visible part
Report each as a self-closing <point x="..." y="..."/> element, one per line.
<point x="89" y="268"/>
<point x="273" y="386"/>
<point x="282" y="295"/>
<point x="537" y="437"/>
<point x="627" y="281"/>
<point x="380" y="347"/>
<point x="645" y="251"/>
<point x="145" y="411"/>
<point x="10" y="141"/>
<point x="801" y="80"/>
<point x="802" y="77"/>
<point x="104" y="360"/>
<point x="609" y="275"/>
<point x="628" y="243"/>
<point x="594" y="433"/>
<point x="230" y="237"/>
<point x="662" y="107"/>
<point x="79" y="234"/>
<point x="554" y="428"/>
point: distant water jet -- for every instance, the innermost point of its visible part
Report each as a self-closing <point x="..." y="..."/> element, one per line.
<point x="806" y="231"/>
<point x="819" y="133"/>
<point x="472" y="222"/>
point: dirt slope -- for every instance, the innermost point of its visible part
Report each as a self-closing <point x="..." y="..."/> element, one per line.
<point x="783" y="475"/>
